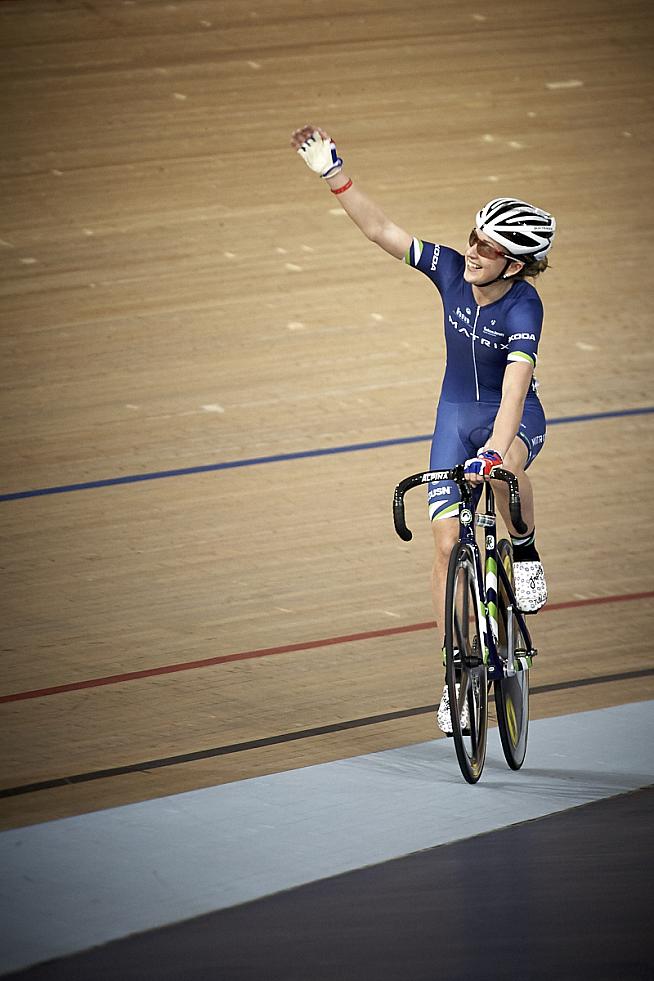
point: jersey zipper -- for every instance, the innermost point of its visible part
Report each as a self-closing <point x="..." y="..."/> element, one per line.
<point x="474" y="359"/>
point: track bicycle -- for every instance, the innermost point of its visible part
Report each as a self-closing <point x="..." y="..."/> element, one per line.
<point x="486" y="638"/>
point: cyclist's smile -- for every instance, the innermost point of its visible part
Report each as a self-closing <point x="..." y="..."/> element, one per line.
<point x="479" y="270"/>
<point x="485" y="265"/>
<point x="476" y="263"/>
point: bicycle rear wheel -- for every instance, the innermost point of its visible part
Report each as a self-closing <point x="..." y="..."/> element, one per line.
<point x="465" y="671"/>
<point x="511" y="693"/>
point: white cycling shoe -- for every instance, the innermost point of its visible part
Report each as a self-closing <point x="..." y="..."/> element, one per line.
<point x="443" y="716"/>
<point x="529" y="585"/>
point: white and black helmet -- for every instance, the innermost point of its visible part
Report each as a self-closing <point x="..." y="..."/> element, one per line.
<point x="520" y="228"/>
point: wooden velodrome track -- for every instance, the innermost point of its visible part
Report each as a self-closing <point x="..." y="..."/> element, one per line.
<point x="179" y="292"/>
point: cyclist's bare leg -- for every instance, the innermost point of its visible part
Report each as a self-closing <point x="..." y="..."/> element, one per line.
<point x="514" y="461"/>
<point x="529" y="577"/>
<point x="446" y="534"/>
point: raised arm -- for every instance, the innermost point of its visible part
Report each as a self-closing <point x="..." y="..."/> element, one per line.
<point x="319" y="153"/>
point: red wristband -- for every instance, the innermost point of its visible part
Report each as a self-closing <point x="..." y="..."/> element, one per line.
<point x="339" y="190"/>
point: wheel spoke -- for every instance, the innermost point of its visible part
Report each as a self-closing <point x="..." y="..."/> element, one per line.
<point x="460" y="638"/>
<point x="463" y="693"/>
<point x="474" y="708"/>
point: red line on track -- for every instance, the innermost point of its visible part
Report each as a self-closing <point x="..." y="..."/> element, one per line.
<point x="115" y="679"/>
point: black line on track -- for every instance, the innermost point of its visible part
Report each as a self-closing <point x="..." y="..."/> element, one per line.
<point x="287" y="737"/>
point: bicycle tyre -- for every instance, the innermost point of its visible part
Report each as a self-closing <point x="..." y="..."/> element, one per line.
<point x="464" y="663"/>
<point x="511" y="693"/>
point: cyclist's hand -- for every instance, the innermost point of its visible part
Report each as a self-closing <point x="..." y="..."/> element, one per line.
<point x="317" y="149"/>
<point x="479" y="467"/>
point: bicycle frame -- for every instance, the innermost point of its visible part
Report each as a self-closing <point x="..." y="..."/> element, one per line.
<point x="487" y="580"/>
<point x="486" y="577"/>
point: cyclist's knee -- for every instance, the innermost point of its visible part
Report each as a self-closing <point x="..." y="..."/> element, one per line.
<point x="446" y="533"/>
<point x="516" y="457"/>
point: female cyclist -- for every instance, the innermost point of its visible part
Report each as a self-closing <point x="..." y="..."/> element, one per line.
<point x="489" y="413"/>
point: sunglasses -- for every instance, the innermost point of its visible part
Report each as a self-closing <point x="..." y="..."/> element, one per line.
<point x="485" y="249"/>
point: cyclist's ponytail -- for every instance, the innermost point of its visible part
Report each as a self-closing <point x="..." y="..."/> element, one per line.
<point x="532" y="269"/>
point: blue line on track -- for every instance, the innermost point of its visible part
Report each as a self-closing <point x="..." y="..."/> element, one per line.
<point x="282" y="457"/>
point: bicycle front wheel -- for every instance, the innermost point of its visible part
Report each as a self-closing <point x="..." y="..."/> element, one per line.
<point x="465" y="670"/>
<point x="511" y="693"/>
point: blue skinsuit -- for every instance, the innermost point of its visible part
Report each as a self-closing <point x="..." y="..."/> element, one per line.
<point x="480" y="342"/>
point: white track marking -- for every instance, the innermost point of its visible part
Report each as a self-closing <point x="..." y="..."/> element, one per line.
<point x="569" y="83"/>
<point x="292" y="267"/>
<point x="214" y="407"/>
